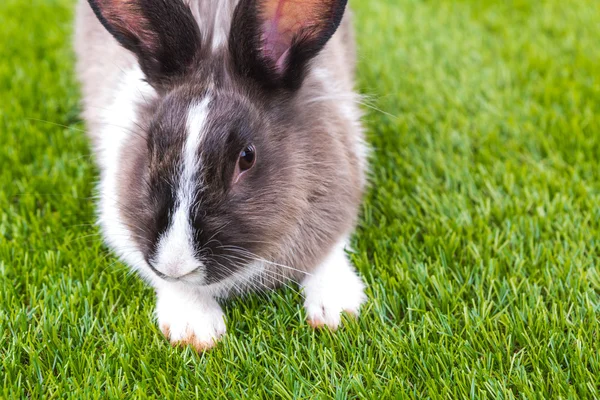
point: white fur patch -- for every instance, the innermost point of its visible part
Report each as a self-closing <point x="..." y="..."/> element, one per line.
<point x="196" y="131"/>
<point x="333" y="288"/>
<point x="214" y="20"/>
<point x="119" y="120"/>
<point x="223" y="17"/>
<point x="188" y="316"/>
<point x="175" y="256"/>
<point x="175" y="252"/>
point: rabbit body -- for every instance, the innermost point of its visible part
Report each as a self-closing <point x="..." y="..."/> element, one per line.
<point x="230" y="150"/>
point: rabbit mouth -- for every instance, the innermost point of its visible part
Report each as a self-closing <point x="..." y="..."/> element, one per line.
<point x="194" y="276"/>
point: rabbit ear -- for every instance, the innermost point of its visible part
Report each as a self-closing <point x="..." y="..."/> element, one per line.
<point x="162" y="33"/>
<point x="272" y="41"/>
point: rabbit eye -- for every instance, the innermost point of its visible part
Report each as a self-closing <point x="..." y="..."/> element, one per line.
<point x="247" y="158"/>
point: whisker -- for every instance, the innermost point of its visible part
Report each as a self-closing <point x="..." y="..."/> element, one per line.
<point x="258" y="258"/>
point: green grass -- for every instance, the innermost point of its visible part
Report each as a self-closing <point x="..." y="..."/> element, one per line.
<point x="480" y="237"/>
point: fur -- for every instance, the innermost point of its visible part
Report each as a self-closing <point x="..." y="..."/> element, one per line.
<point x="167" y="134"/>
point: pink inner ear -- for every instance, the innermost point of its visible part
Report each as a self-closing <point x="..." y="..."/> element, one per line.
<point x="276" y="45"/>
<point x="126" y="16"/>
<point x="284" y="19"/>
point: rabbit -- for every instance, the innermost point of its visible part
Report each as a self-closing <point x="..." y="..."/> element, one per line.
<point x="230" y="149"/>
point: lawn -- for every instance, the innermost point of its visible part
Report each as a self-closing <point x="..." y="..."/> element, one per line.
<point x="479" y="238"/>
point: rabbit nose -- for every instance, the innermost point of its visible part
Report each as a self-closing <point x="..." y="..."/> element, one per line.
<point x="175" y="256"/>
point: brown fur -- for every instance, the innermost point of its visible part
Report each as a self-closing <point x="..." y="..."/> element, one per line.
<point x="311" y="163"/>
